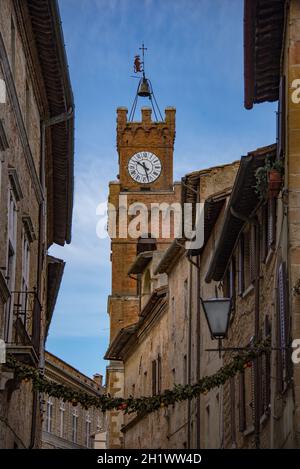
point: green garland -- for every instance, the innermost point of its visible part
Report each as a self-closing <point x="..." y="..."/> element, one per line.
<point x="139" y="404"/>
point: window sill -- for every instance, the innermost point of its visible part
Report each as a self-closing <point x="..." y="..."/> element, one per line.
<point x="248" y="290"/>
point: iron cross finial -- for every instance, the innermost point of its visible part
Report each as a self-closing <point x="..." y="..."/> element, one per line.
<point x="143" y="48"/>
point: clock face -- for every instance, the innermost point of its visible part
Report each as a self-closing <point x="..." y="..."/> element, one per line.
<point x="144" y="167"/>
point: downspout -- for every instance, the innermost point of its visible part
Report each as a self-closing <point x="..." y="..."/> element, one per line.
<point x="256" y="337"/>
<point x="198" y="352"/>
<point x="189" y="356"/>
<point x="198" y="343"/>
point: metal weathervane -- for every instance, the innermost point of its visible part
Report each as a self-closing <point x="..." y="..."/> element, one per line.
<point x="144" y="88"/>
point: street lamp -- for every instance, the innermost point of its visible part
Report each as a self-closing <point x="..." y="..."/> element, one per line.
<point x="217" y="312"/>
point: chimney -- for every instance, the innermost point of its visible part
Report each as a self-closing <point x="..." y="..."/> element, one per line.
<point x="98" y="379"/>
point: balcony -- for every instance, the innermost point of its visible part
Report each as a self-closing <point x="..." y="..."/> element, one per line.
<point x="23" y="326"/>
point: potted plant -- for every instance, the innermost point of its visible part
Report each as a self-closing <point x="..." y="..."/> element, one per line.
<point x="275" y="174"/>
<point x="269" y="179"/>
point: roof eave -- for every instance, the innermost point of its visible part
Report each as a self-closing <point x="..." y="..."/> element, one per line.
<point x="216" y="272"/>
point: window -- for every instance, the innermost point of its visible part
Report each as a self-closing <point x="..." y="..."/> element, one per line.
<point x="229" y="289"/>
<point x="242" y="402"/>
<point x="156" y="376"/>
<point x="271" y="222"/>
<point x="146" y="243"/>
<point x="27" y="108"/>
<point x="185" y="373"/>
<point x="25" y="270"/>
<point x="268" y="227"/>
<point x="11" y="261"/>
<point x="185" y="298"/>
<point x="88" y="430"/>
<point x="247" y="258"/>
<point x="281" y="119"/>
<point x="173" y="319"/>
<point x="147" y="283"/>
<point x="49" y="415"/>
<point x="74" y="425"/>
<point x="283" y="327"/>
<point x="13" y="46"/>
<point x="264" y="364"/>
<point x="232" y="410"/>
<point x="244" y="269"/>
<point x="62" y="409"/>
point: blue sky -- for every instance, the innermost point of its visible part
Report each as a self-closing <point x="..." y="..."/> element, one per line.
<point x="195" y="63"/>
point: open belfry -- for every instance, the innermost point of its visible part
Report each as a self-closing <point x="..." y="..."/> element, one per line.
<point x="145" y="150"/>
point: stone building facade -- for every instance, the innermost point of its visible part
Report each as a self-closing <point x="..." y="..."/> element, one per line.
<point x="36" y="195"/>
<point x="66" y="426"/>
<point x="160" y="349"/>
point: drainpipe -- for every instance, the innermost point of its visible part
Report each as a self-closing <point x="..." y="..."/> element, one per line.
<point x="256" y="336"/>
<point x="198" y="352"/>
<point x="189" y="356"/>
<point x="198" y="343"/>
<point x="197" y="265"/>
<point x="44" y="125"/>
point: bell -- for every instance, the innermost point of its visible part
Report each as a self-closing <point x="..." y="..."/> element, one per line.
<point x="144" y="88"/>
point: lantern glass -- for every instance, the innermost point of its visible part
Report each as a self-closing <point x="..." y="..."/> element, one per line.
<point x="217" y="312"/>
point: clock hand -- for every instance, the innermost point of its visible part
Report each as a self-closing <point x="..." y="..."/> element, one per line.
<point x="145" y="168"/>
<point x="146" y="171"/>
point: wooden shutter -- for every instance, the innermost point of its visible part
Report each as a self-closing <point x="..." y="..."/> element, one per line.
<point x="158" y="374"/>
<point x="232" y="282"/>
<point x="271" y="222"/>
<point x="281" y="119"/>
<point x="262" y="383"/>
<point x="252" y="253"/>
<point x="264" y="233"/>
<point x="267" y="366"/>
<point x="241" y="278"/>
<point x="253" y="391"/>
<point x="282" y="321"/>
<point x="154" y="378"/>
<point x="242" y="403"/>
<point x="232" y="408"/>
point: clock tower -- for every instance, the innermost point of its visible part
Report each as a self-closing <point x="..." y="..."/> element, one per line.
<point x="145" y="153"/>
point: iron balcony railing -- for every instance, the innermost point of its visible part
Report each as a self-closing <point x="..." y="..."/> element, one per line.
<point x="24" y="319"/>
